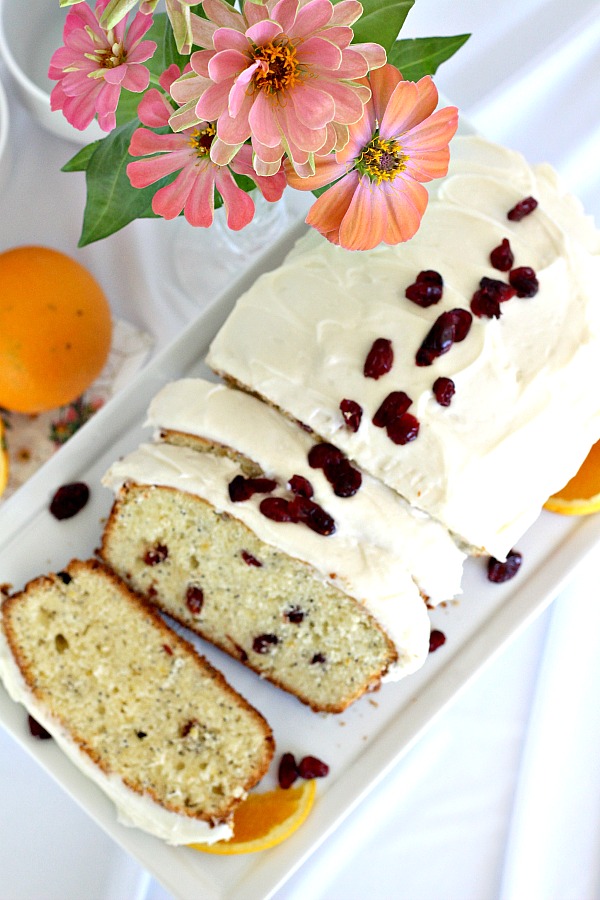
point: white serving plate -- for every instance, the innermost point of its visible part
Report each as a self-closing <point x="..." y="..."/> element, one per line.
<point x="361" y="745"/>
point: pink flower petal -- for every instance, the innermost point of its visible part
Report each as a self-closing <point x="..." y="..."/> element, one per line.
<point x="424" y="165"/>
<point x="230" y="39"/>
<point x="143" y="172"/>
<point x="213" y="101"/>
<point x="407" y="202"/>
<point x="154" y="110"/>
<point x="255" y="12"/>
<point x="262" y="121"/>
<point x="239" y="95"/>
<point x="319" y="53"/>
<point x="346" y="12"/>
<point x="189" y="87"/>
<point x="284" y="13"/>
<point x="138" y="28"/>
<point x="312" y="17"/>
<point x="238" y="204"/>
<point x="314" y="107"/>
<point x="263" y="32"/>
<point x="227" y="64"/>
<point x="435" y="132"/>
<point x="144" y="142"/>
<point x="349" y="101"/>
<point x="374" y="54"/>
<point x="235" y="130"/>
<point x="136" y="79"/>
<point x="200" y="205"/>
<point x="271" y="187"/>
<point x="297" y="133"/>
<point x="222" y="154"/>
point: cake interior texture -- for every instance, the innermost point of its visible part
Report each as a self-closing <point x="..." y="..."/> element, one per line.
<point x="134" y="696"/>
<point x="213" y="574"/>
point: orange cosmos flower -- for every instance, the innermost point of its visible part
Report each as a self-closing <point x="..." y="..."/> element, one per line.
<point x="399" y="143"/>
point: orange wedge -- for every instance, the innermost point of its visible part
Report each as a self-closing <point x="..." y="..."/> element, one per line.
<point x="581" y="495"/>
<point x="265" y="820"/>
<point x="3" y="458"/>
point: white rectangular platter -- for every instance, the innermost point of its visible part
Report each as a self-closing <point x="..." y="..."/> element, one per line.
<point x="362" y="744"/>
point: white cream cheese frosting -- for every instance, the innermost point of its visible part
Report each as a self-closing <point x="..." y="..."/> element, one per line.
<point x="133" y="810"/>
<point x="375" y="516"/>
<point x="526" y="408"/>
<point x="371" y="574"/>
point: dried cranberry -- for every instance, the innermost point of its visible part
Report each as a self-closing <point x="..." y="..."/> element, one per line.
<point x="503" y="571"/>
<point x="287" y="773"/>
<point x="168" y="650"/>
<point x="241" y="488"/>
<point x="394" y="406"/>
<point x="300" y="485"/>
<point x="343" y="478"/>
<point x="311" y="514"/>
<point x="426" y="290"/>
<point x="322" y="454"/>
<point x="69" y="500"/>
<point x="436" y="639"/>
<point x="194" y="599"/>
<point x="37" y="730"/>
<point x="311" y="767"/>
<point x="294" y="615"/>
<point x="380" y="359"/>
<point x="404" y="429"/>
<point x="318" y="658"/>
<point x="524" y="281"/>
<point x="502" y="257"/>
<point x="449" y="327"/>
<point x="352" y="413"/>
<point x="277" y="509"/>
<point x="251" y="560"/>
<point x="521" y="209"/>
<point x="443" y="390"/>
<point x="64" y="577"/>
<point x="486" y="301"/>
<point x="155" y="555"/>
<point x="264" y="642"/>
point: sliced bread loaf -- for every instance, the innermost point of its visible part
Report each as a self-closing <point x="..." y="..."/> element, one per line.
<point x="132" y="703"/>
<point x="230" y="574"/>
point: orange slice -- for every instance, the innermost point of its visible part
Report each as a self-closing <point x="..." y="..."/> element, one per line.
<point x="581" y="495"/>
<point x="264" y="820"/>
<point x="3" y="458"/>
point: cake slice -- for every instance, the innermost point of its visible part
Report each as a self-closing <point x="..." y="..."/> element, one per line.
<point x="153" y="724"/>
<point x="494" y="401"/>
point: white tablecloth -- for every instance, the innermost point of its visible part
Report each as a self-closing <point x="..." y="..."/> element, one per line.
<point x="501" y="798"/>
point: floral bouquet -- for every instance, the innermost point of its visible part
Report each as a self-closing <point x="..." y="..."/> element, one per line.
<point x="205" y="103"/>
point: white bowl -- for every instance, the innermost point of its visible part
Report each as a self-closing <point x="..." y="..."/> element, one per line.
<point x="30" y="32"/>
<point x="4" y="144"/>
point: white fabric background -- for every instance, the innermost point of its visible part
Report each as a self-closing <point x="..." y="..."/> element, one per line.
<point x="502" y="798"/>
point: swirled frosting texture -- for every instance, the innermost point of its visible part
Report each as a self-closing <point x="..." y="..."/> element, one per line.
<point x="526" y="407"/>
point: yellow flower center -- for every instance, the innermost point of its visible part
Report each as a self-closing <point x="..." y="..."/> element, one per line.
<point x="279" y="68"/>
<point x="381" y="160"/>
<point x="201" y="139"/>
<point x="106" y="57"/>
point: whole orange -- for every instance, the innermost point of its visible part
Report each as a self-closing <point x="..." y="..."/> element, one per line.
<point x="55" y="329"/>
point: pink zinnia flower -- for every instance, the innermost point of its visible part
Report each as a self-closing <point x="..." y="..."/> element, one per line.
<point x="188" y="152"/>
<point x="399" y="143"/>
<point x="283" y="74"/>
<point x="95" y="64"/>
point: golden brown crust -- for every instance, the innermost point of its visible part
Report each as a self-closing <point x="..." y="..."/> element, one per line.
<point x="205" y="669"/>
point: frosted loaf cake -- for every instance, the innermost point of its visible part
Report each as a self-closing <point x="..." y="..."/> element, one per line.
<point x="132" y="704"/>
<point x="522" y="369"/>
<point x="324" y="615"/>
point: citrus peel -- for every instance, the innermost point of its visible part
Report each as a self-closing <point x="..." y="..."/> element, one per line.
<point x="581" y="495"/>
<point x="265" y="819"/>
<point x="3" y="459"/>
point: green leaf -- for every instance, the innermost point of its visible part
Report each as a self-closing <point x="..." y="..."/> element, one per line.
<point x="381" y="21"/>
<point x="80" y="161"/>
<point x="422" y="56"/>
<point x="111" y="200"/>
